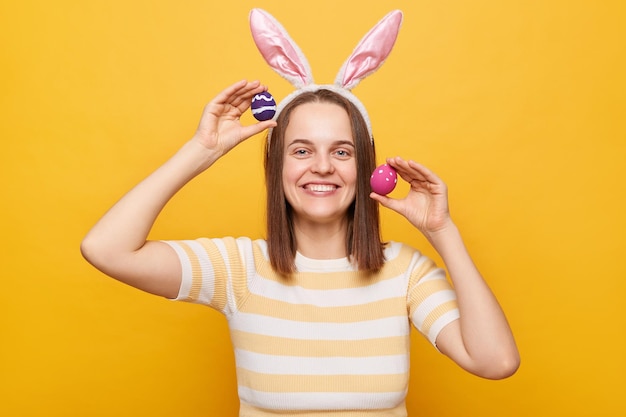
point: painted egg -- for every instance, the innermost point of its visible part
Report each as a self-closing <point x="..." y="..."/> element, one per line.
<point x="263" y="106"/>
<point x="383" y="179"/>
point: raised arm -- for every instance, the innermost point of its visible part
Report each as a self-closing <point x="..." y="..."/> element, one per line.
<point x="481" y="341"/>
<point x="117" y="244"/>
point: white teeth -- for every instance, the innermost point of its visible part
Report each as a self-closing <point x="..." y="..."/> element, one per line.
<point x="321" y="187"/>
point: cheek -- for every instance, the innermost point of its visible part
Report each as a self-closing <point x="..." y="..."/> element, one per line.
<point x="285" y="182"/>
<point x="349" y="175"/>
<point x="289" y="174"/>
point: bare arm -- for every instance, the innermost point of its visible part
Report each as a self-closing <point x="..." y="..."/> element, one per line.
<point x="481" y="341"/>
<point x="117" y="243"/>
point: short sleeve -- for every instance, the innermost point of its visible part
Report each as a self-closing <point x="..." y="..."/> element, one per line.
<point x="431" y="299"/>
<point x="213" y="271"/>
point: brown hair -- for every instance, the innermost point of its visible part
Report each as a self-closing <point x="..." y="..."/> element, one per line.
<point x="363" y="242"/>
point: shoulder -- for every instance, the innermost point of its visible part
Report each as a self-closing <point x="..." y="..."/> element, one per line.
<point x="225" y="248"/>
<point x="401" y="253"/>
<point x="394" y="250"/>
<point x="403" y="257"/>
<point x="247" y="250"/>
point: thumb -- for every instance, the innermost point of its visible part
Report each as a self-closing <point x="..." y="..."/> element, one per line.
<point x="249" y="131"/>
<point x="387" y="202"/>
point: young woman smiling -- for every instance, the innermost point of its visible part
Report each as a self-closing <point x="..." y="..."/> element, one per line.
<point x="320" y="310"/>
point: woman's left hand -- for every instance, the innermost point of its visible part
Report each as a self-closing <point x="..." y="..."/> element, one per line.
<point x="426" y="204"/>
<point x="481" y="341"/>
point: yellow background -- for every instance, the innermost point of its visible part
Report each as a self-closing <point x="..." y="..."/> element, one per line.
<point x="518" y="105"/>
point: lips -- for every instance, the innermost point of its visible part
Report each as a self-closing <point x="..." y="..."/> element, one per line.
<point x="320" y="188"/>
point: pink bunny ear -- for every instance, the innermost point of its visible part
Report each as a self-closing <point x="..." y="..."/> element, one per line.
<point x="278" y="49"/>
<point x="371" y="52"/>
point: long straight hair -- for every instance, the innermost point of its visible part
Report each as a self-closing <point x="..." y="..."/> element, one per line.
<point x="363" y="241"/>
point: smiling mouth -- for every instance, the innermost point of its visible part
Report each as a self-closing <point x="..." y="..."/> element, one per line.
<point x="320" y="188"/>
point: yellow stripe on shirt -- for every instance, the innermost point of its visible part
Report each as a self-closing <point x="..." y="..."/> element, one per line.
<point x="321" y="383"/>
<point x="196" y="273"/>
<point x="393" y="345"/>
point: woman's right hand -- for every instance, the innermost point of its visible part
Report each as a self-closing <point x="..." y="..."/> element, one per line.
<point x="117" y="244"/>
<point x="220" y="129"/>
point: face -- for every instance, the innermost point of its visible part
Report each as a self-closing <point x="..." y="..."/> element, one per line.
<point x="319" y="170"/>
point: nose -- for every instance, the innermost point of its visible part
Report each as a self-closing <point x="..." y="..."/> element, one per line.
<point x="322" y="164"/>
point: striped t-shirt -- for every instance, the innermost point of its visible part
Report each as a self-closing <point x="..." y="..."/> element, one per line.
<point x="329" y="340"/>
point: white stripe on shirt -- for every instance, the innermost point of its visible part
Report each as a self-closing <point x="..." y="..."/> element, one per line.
<point x="269" y="326"/>
<point x="297" y="365"/>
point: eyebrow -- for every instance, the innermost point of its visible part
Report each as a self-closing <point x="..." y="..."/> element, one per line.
<point x="340" y="142"/>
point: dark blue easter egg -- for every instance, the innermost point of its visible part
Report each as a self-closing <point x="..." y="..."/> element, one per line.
<point x="263" y="106"/>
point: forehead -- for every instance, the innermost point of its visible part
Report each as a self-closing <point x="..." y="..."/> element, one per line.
<point x="319" y="120"/>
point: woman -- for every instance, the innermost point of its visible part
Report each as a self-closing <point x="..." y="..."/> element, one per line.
<point x="320" y="312"/>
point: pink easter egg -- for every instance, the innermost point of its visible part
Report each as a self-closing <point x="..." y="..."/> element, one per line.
<point x="383" y="179"/>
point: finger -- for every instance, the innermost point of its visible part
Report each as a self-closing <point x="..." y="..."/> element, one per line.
<point x="387" y="202"/>
<point x="425" y="172"/>
<point x="412" y="171"/>
<point x="254" y="129"/>
<point x="237" y="95"/>
<point x="225" y="96"/>
<point x="405" y="171"/>
<point x="243" y="99"/>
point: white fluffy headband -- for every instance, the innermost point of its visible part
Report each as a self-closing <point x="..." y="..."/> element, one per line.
<point x="286" y="58"/>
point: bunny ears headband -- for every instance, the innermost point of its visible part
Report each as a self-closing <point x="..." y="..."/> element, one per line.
<point x="285" y="57"/>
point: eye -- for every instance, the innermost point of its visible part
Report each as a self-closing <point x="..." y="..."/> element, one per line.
<point x="343" y="153"/>
<point x="300" y="152"/>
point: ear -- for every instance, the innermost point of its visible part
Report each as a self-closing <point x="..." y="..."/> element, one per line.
<point x="371" y="52"/>
<point x="278" y="49"/>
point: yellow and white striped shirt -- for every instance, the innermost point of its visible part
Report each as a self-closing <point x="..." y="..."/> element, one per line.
<point x="328" y="341"/>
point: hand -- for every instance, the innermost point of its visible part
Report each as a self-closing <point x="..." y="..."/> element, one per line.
<point x="481" y="341"/>
<point x="220" y="129"/>
<point x="426" y="205"/>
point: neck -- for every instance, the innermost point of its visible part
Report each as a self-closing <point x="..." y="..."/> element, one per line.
<point x="321" y="241"/>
